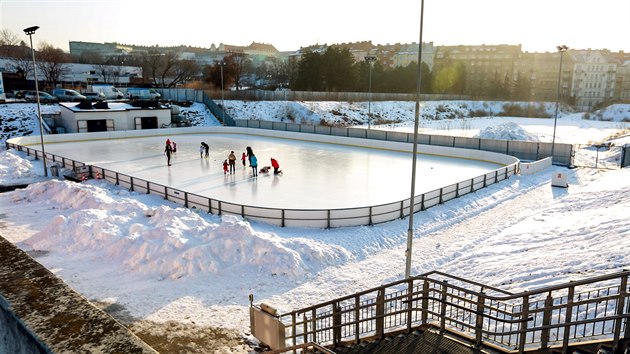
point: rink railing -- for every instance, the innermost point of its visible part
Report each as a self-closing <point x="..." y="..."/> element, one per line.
<point x="563" y="154"/>
<point x="321" y="218"/>
<point x="554" y="318"/>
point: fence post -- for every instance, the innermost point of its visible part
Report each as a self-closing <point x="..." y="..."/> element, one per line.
<point x="293" y="329"/>
<point x="370" y="219"/>
<point x="380" y="313"/>
<point x="425" y="302"/>
<point x="544" y="333"/>
<point x="328" y="219"/>
<point x="185" y="199"/>
<point x="409" y="304"/>
<point x="443" y="308"/>
<point x="313" y="326"/>
<point x="457" y="190"/>
<point x="357" y="316"/>
<point x="522" y="331"/>
<point x="441" y="193"/>
<point x="479" y="320"/>
<point x="421" y="203"/>
<point x="402" y="212"/>
<point x="131" y="183"/>
<point x="336" y="324"/>
<point x="567" y="318"/>
<point x="282" y="222"/>
<point x="623" y="286"/>
<point x="148" y="186"/>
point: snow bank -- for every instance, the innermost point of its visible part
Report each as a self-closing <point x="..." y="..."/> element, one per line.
<point x="101" y="221"/>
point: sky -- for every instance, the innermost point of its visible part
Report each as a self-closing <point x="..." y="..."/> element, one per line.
<point x="197" y="269"/>
<point x="538" y="25"/>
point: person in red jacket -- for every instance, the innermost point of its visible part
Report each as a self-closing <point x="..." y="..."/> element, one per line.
<point x="276" y="166"/>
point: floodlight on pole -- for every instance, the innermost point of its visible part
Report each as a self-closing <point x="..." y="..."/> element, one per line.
<point x="412" y="200"/>
<point x="222" y="63"/>
<point x="370" y="59"/>
<point x="561" y="48"/>
<point x="29" y="32"/>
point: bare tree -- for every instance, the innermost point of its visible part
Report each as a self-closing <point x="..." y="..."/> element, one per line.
<point x="240" y="64"/>
<point x="9" y="41"/>
<point x="106" y="71"/>
<point x="52" y="63"/>
<point x="21" y="61"/>
<point x="167" y="70"/>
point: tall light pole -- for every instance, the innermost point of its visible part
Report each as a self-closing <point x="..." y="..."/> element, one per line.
<point x="29" y="32"/>
<point x="561" y="48"/>
<point x="412" y="199"/>
<point x="222" y="63"/>
<point x="370" y="59"/>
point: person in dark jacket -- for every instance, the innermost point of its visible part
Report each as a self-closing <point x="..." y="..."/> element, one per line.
<point x="168" y="150"/>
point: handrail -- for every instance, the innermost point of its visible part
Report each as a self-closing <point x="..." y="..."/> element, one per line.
<point x="560" y="314"/>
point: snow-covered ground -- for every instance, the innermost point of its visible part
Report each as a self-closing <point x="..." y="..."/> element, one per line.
<point x="183" y="273"/>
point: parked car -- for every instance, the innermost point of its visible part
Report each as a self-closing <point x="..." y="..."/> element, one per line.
<point x="44" y="97"/>
<point x="66" y="95"/>
<point x="94" y="96"/>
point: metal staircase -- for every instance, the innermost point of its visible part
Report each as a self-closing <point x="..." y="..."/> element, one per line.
<point x="586" y="316"/>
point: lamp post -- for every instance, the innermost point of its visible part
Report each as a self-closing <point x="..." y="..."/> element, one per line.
<point x="29" y="32"/>
<point x="412" y="200"/>
<point x="222" y="63"/>
<point x="370" y="59"/>
<point x="561" y="48"/>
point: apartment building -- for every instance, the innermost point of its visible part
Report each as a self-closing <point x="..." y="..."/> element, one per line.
<point x="485" y="65"/>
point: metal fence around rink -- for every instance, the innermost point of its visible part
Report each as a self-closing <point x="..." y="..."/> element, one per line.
<point x="523" y="150"/>
<point x="319" y="218"/>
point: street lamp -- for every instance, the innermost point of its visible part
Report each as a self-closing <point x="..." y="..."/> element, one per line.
<point x="29" y="32"/>
<point x="222" y="63"/>
<point x="561" y="48"/>
<point x="370" y="59"/>
<point x="412" y="199"/>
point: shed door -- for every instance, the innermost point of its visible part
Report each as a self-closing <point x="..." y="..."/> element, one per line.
<point x="97" y="125"/>
<point x="146" y="122"/>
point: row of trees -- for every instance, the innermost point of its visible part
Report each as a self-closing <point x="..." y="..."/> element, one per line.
<point x="334" y="70"/>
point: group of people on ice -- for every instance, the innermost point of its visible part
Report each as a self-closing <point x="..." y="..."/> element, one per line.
<point x="229" y="164"/>
<point x="253" y="163"/>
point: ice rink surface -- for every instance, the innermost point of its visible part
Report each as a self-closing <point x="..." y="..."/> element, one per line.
<point x="315" y="175"/>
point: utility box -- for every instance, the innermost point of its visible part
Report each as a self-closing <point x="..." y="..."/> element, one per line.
<point x="559" y="179"/>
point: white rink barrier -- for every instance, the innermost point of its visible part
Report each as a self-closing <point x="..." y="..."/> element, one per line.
<point x="319" y="218"/>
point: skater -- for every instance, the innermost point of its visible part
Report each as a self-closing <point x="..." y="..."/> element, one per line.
<point x="265" y="169"/>
<point x="206" y="149"/>
<point x="201" y="150"/>
<point x="174" y="147"/>
<point x="250" y="153"/>
<point x="253" y="162"/>
<point x="168" y="150"/>
<point x="232" y="160"/>
<point x="243" y="159"/>
<point x="276" y="166"/>
<point x="225" y="167"/>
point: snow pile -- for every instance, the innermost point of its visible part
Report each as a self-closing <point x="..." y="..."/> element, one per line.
<point x="99" y="221"/>
<point x="14" y="167"/>
<point x="614" y="113"/>
<point x="506" y="131"/>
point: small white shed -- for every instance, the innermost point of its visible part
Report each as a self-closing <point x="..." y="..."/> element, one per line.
<point x="86" y="117"/>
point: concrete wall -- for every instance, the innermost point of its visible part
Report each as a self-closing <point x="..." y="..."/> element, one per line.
<point x="39" y="313"/>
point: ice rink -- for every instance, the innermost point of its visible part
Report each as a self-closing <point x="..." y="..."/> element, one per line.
<point x="315" y="175"/>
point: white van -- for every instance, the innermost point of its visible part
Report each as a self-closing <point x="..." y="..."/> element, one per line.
<point x="110" y="92"/>
<point x="143" y="93"/>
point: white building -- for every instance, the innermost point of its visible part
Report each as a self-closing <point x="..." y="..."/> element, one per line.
<point x="107" y="116"/>
<point x="594" y="76"/>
